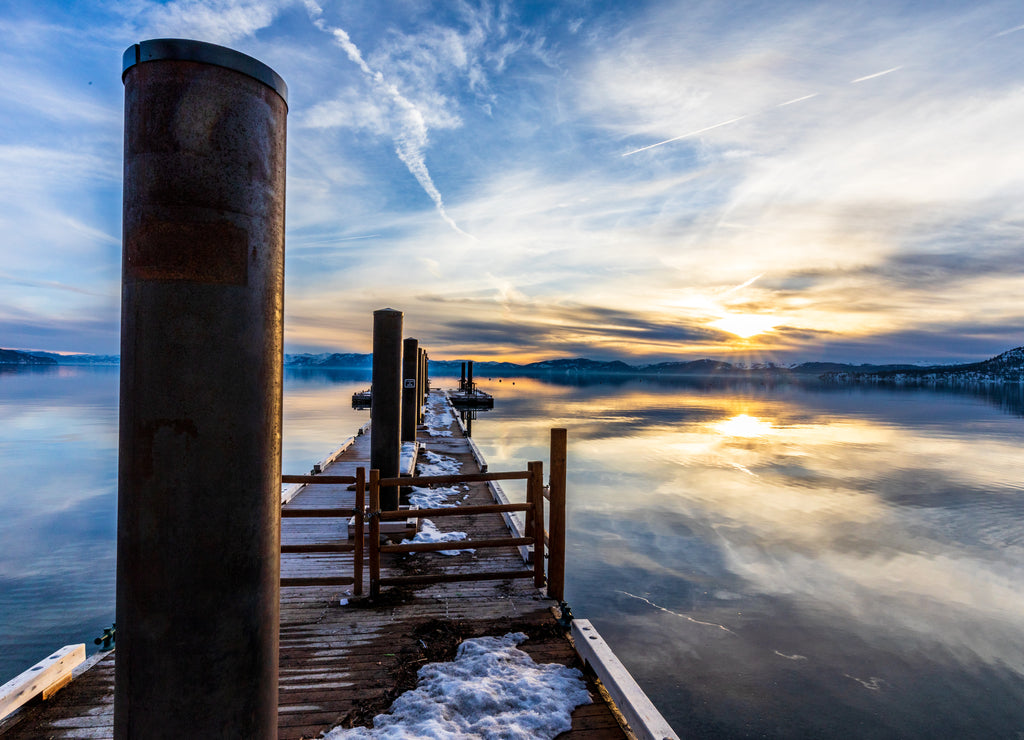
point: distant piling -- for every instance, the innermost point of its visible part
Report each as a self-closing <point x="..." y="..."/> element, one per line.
<point x="410" y="388"/>
<point x="386" y="404"/>
<point x="198" y="549"/>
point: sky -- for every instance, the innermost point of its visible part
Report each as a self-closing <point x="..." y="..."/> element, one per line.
<point x="646" y="181"/>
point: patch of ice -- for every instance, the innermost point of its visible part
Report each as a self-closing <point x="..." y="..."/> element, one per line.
<point x="491" y="690"/>
<point x="430" y="533"/>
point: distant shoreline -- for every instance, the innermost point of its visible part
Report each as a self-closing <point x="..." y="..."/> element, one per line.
<point x="1007" y="367"/>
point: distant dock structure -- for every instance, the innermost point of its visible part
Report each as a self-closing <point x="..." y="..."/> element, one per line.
<point x="468" y="396"/>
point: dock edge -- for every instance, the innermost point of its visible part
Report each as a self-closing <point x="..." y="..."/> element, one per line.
<point x="645" y="721"/>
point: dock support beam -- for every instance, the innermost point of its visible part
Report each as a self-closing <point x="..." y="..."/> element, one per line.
<point x="199" y="469"/>
<point x="410" y="389"/>
<point x="386" y="406"/>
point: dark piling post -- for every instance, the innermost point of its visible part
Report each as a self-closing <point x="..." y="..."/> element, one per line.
<point x="410" y="389"/>
<point x="199" y="470"/>
<point x="462" y="380"/>
<point x="386" y="407"/>
<point x="424" y="385"/>
<point x="469" y="377"/>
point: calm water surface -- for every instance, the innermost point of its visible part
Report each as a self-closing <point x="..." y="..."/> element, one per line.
<point x="767" y="561"/>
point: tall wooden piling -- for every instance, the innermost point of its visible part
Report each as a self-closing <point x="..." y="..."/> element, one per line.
<point x="410" y="388"/>
<point x="198" y="550"/>
<point x="386" y="406"/>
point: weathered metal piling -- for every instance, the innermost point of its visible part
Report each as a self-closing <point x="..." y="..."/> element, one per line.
<point x="198" y="554"/>
<point x="410" y="388"/>
<point x="386" y="407"/>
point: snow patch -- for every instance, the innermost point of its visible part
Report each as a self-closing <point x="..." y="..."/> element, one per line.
<point x="430" y="533"/>
<point x="492" y="689"/>
<point x="431" y="463"/>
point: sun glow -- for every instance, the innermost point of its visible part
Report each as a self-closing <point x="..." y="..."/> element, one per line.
<point x="743" y="426"/>
<point x="745" y="325"/>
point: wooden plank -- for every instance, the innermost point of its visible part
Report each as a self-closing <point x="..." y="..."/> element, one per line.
<point x="39" y="678"/>
<point x="318" y="581"/>
<point x="644" y="719"/>
<point x="390" y="516"/>
<point x="456" y="545"/>
<point x="447" y="480"/>
<point x="295" y="513"/>
<point x="474" y="575"/>
<point x="317" y="548"/>
<point x="327" y="480"/>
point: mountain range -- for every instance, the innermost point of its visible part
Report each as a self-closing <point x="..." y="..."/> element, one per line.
<point x="1008" y="366"/>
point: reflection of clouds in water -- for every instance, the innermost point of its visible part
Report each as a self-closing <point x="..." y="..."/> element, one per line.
<point x="890" y="528"/>
<point x="790" y="657"/>
<point x="687" y="617"/>
<point x="873" y="684"/>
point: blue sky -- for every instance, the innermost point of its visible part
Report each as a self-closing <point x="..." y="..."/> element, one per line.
<point x="650" y="181"/>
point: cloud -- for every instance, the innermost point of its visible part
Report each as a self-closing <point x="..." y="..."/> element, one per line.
<point x="402" y="118"/>
<point x="215" y="21"/>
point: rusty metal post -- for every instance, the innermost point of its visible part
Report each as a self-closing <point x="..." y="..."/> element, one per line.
<point x="386" y="407"/>
<point x="410" y="389"/>
<point x="199" y="470"/>
<point x="423" y="389"/>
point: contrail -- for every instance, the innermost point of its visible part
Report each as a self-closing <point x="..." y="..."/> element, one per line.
<point x="677" y="138"/>
<point x="797" y="100"/>
<point x="1008" y="31"/>
<point x="412" y="137"/>
<point x="741" y="286"/>
<point x="876" y="74"/>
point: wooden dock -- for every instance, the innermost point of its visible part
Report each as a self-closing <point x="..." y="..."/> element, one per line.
<point x="342" y="663"/>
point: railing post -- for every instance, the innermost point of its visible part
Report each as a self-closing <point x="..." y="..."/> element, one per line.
<point x="357" y="556"/>
<point x="535" y="495"/>
<point x="556" y="552"/>
<point x="374" y="536"/>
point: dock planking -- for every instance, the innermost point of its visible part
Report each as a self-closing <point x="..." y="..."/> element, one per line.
<point x="341" y="664"/>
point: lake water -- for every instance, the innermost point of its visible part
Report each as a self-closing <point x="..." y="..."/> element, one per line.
<point x="768" y="561"/>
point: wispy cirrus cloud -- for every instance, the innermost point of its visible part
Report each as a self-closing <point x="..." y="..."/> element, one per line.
<point x="404" y="120"/>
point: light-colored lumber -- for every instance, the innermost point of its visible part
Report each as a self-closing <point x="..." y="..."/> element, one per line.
<point x="644" y="720"/>
<point x="39" y="679"/>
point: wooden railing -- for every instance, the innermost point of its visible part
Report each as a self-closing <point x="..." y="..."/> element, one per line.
<point x="355" y="547"/>
<point x="553" y="539"/>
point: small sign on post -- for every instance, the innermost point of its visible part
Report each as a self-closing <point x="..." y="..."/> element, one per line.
<point x="409" y="383"/>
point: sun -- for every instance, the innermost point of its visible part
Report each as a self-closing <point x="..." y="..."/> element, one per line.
<point x="745" y="325"/>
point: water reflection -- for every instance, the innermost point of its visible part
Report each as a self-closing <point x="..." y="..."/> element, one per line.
<point x="794" y="562"/>
<point x="769" y="560"/>
<point x="58" y="493"/>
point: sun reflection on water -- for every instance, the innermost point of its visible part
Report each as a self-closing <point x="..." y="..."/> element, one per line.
<point x="743" y="425"/>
